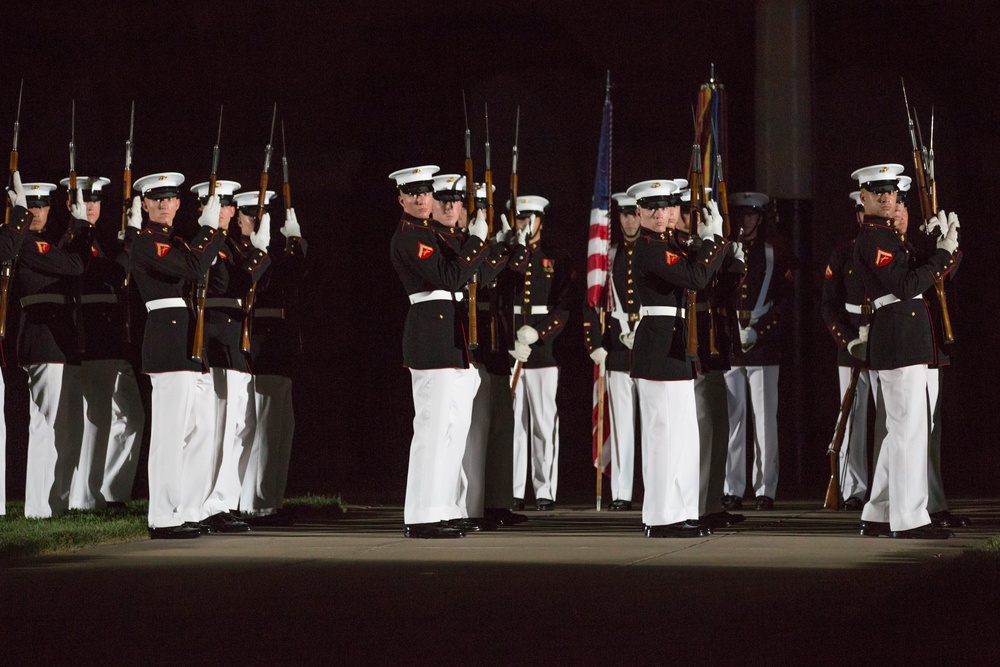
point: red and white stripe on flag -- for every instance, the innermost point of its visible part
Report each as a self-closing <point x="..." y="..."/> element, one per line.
<point x="606" y="449"/>
<point x="597" y="256"/>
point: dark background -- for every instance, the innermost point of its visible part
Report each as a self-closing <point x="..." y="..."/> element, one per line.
<point x="365" y="88"/>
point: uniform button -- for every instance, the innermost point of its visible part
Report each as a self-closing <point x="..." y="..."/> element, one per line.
<point x="440" y="317"/>
<point x="173" y="321"/>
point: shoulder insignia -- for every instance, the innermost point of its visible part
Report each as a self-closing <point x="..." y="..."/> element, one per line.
<point x="789" y="276"/>
<point x="223" y="255"/>
<point x="93" y="251"/>
<point x="671" y="257"/>
<point x="424" y="251"/>
<point x="829" y="271"/>
<point x="882" y="258"/>
<point x="43" y="247"/>
<point x="162" y="249"/>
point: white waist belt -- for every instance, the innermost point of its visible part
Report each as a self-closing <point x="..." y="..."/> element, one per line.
<point x="35" y="299"/>
<point x="533" y="310"/>
<point x="269" y="312"/>
<point x="890" y="299"/>
<point x="853" y="308"/>
<point x="160" y="304"/>
<point x="223" y="302"/>
<point x="662" y="311"/>
<point x="99" y="298"/>
<point x="436" y="295"/>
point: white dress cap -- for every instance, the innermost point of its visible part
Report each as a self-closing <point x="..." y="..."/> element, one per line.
<point x="904" y="183"/>
<point x="249" y="198"/>
<point x="449" y="182"/>
<point x="39" y="190"/>
<point x="686" y="194"/>
<point x="878" y="175"/>
<point x="91" y="183"/>
<point x="168" y="180"/>
<point x="856" y="198"/>
<point x="222" y="188"/>
<point x="749" y="199"/>
<point x="663" y="188"/>
<point x="531" y="204"/>
<point x="415" y="174"/>
<point x="623" y="200"/>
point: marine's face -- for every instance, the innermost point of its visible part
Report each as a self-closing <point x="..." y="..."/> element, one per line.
<point x="39" y="216"/>
<point x="417" y="205"/>
<point x="161" y="211"/>
<point x="246" y="223"/>
<point x="93" y="210"/>
<point x="748" y="219"/>
<point x="448" y="213"/>
<point x="629" y="223"/>
<point x="657" y="219"/>
<point x="882" y="204"/>
<point x="900" y="217"/>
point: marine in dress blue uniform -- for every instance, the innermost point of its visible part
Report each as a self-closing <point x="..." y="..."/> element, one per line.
<point x="47" y="280"/>
<point x="435" y="350"/>
<point x="899" y="347"/>
<point x="165" y="269"/>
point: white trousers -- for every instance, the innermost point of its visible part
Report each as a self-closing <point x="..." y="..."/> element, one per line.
<point x="854" y="451"/>
<point x="936" y="501"/>
<point x="442" y="405"/>
<point x="55" y="430"/>
<point x="3" y="450"/>
<point x="899" y="485"/>
<point x="535" y="412"/>
<point x="713" y="434"/>
<point x="669" y="451"/>
<point x="235" y="423"/>
<point x="113" y="419"/>
<point x="763" y="383"/>
<point x="623" y="395"/>
<point x="488" y="462"/>
<point x="266" y="471"/>
<point x="182" y="430"/>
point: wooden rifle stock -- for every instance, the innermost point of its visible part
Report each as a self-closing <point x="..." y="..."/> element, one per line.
<point x="696" y="202"/>
<point x="832" y="500"/>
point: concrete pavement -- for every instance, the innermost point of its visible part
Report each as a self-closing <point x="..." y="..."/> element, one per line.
<point x="794" y="586"/>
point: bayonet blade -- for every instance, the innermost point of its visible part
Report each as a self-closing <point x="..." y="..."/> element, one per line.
<point x="268" y="149"/>
<point x="218" y="140"/>
<point x="517" y="132"/>
<point x="487" y="107"/>
<point x="128" y="144"/>
<point x="17" y="119"/>
<point x="284" y="152"/>
<point x="72" y="139"/>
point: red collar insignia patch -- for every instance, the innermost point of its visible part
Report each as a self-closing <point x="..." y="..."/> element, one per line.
<point x="547" y="263"/>
<point x="829" y="271"/>
<point x="424" y="251"/>
<point x="882" y="258"/>
<point x="223" y="255"/>
<point x="43" y="247"/>
<point x="93" y="250"/>
<point x="671" y="257"/>
<point x="162" y="249"/>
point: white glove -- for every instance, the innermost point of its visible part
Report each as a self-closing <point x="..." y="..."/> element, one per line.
<point x="937" y="225"/>
<point x="599" y="355"/>
<point x="527" y="335"/>
<point x="738" y="252"/>
<point x="711" y="222"/>
<point x="521" y="235"/>
<point x="134" y="215"/>
<point x="627" y="339"/>
<point x="521" y="351"/>
<point x="858" y="348"/>
<point x="262" y="237"/>
<point x="78" y="209"/>
<point x="16" y="193"/>
<point x="748" y="337"/>
<point x="210" y="213"/>
<point x="950" y="240"/>
<point x="504" y="233"/>
<point x="478" y="227"/>
<point x="291" y="226"/>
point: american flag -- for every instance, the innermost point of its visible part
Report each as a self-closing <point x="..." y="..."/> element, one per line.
<point x="597" y="264"/>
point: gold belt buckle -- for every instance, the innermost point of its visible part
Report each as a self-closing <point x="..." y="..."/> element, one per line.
<point x="633" y="317"/>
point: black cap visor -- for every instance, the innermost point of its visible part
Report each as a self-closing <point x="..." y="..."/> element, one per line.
<point x="881" y="186"/>
<point x="416" y="187"/>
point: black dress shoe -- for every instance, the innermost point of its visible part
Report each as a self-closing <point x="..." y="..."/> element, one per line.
<point x="544" y="504"/>
<point x="224" y="522"/>
<point x="853" y="504"/>
<point x="503" y="516"/>
<point x="204" y="528"/>
<point x="765" y="503"/>
<point x="875" y="529"/>
<point x="945" y="519"/>
<point x="432" y="531"/>
<point x="473" y="525"/>
<point x="183" y="532"/>
<point x="732" y="502"/>
<point x="518" y="504"/>
<point x="928" y="532"/>
<point x="679" y="529"/>
<point x="620" y="506"/>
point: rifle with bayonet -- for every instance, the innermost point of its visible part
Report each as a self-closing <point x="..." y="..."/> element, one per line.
<point x="201" y="289"/>
<point x="923" y="161"/>
<point x="286" y="189"/>
<point x="512" y="221"/>
<point x="7" y="266"/>
<point x="470" y="209"/>
<point x="246" y="333"/>
<point x="697" y="194"/>
<point x="126" y="205"/>
<point x="488" y="182"/>
<point x="72" y="156"/>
